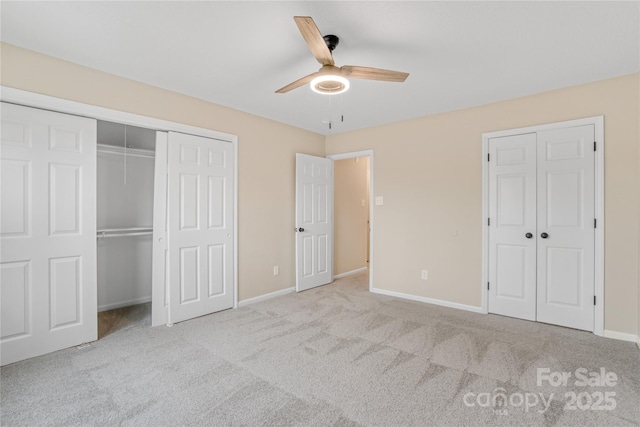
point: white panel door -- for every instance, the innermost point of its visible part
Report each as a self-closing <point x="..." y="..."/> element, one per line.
<point x="512" y="236"/>
<point x="314" y="221"/>
<point x="201" y="226"/>
<point x="48" y="284"/>
<point x="566" y="227"/>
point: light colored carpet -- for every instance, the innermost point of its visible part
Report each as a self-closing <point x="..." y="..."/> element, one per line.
<point x="335" y="355"/>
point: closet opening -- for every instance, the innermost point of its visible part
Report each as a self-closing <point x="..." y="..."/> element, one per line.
<point x="125" y="205"/>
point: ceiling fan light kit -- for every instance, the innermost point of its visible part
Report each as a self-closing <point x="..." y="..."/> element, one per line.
<point x="329" y="84"/>
<point x="331" y="80"/>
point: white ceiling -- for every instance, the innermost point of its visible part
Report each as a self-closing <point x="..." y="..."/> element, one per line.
<point x="458" y="54"/>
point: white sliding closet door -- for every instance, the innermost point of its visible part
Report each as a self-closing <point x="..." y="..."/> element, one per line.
<point x="201" y="226"/>
<point x="48" y="232"/>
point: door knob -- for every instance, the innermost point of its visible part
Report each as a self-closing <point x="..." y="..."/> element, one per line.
<point x="528" y="235"/>
<point x="300" y="229"/>
<point x="544" y="235"/>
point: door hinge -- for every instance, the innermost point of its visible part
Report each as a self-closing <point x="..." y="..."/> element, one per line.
<point x="488" y="157"/>
<point x="595" y="223"/>
<point x="488" y="285"/>
<point x="489" y="222"/>
<point x="594" y="146"/>
<point x="594" y="300"/>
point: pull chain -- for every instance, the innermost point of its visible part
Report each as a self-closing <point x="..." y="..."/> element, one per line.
<point x="339" y="112"/>
<point x="125" y="155"/>
<point x="330" y="108"/>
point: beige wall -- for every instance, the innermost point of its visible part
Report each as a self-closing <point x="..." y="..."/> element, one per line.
<point x="351" y="214"/>
<point x="266" y="181"/>
<point x="429" y="172"/>
<point x="427" y="169"/>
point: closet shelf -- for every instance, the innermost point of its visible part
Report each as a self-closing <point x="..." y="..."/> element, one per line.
<point x="117" y="149"/>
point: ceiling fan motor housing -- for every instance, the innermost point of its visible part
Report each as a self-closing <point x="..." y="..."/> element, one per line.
<point x="331" y="41"/>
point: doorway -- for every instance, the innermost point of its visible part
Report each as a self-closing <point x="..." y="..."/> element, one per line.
<point x="353" y="214"/>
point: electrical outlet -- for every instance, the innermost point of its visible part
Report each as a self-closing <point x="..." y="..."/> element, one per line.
<point x="276" y="270"/>
<point x="425" y="275"/>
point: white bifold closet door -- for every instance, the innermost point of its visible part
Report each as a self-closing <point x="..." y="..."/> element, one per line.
<point x="201" y="226"/>
<point x="541" y="232"/>
<point x="47" y="231"/>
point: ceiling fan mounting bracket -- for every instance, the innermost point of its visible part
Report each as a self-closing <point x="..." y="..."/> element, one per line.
<point x="331" y="41"/>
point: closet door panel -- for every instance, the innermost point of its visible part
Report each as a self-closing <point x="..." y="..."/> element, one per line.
<point x="47" y="242"/>
<point x="512" y="270"/>
<point x="201" y="228"/>
<point x="189" y="201"/>
<point x="217" y="203"/>
<point x="217" y="270"/>
<point x="65" y="193"/>
<point x="15" y="209"/>
<point x="65" y="288"/>
<point x="16" y="288"/>
<point x="565" y="214"/>
<point x="189" y="275"/>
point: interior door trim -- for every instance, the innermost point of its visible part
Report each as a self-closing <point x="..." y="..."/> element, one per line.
<point x="598" y="123"/>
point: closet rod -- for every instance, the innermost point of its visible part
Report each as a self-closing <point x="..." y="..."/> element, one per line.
<point x="117" y="230"/>
<point x="124" y="232"/>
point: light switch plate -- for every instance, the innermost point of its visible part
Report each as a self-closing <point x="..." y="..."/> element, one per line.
<point x="379" y="201"/>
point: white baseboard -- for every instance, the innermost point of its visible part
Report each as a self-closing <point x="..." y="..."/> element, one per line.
<point x="350" y="273"/>
<point x="120" y="304"/>
<point x="254" y="300"/>
<point x="621" y="336"/>
<point x="430" y="300"/>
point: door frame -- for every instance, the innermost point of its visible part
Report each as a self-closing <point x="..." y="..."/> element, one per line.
<point x="355" y="155"/>
<point x="45" y="102"/>
<point x="598" y="123"/>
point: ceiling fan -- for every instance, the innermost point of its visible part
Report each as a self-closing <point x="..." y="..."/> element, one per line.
<point x="332" y="80"/>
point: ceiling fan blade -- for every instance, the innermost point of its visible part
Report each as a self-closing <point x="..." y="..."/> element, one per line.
<point x="373" y="73"/>
<point x="314" y="39"/>
<point x="297" y="83"/>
